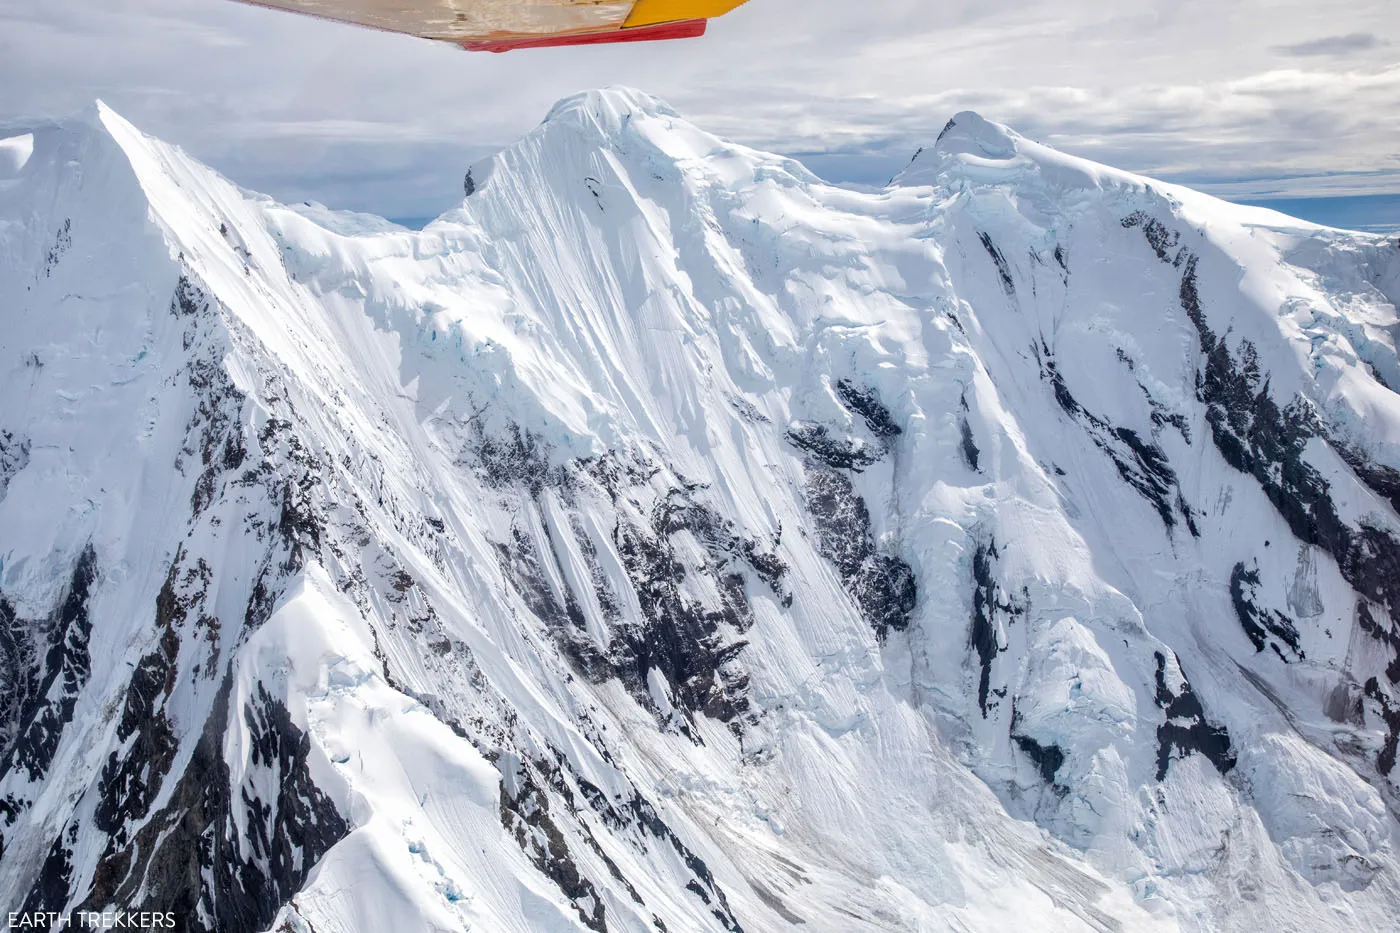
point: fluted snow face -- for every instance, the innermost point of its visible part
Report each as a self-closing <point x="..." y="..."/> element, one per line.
<point x="664" y="539"/>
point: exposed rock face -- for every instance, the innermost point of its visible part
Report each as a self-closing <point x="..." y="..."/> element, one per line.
<point x="192" y="858"/>
<point x="664" y="540"/>
<point x="46" y="686"/>
<point x="1264" y="626"/>
<point x="1185" y="730"/>
<point x="882" y="585"/>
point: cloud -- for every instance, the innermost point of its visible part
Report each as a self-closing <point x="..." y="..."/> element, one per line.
<point x="309" y="110"/>
<point x="1335" y="45"/>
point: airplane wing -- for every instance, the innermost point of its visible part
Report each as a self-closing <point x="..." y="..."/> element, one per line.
<point x="503" y="25"/>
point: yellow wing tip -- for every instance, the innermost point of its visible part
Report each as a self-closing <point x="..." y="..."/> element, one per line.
<point x="655" y="12"/>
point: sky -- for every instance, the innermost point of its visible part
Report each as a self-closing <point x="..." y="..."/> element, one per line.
<point x="1251" y="99"/>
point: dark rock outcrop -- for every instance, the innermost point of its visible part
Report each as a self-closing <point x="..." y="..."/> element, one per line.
<point x="990" y="606"/>
<point x="882" y="584"/>
<point x="192" y="859"/>
<point x="42" y="698"/>
<point x="1264" y="626"/>
<point x="1185" y="729"/>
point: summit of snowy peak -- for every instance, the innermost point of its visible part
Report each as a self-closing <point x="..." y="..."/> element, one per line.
<point x="75" y="138"/>
<point x="576" y="128"/>
<point x="75" y="134"/>
<point x="33" y="143"/>
<point x="72" y="174"/>
<point x="972" y="153"/>
<point x="594" y="138"/>
<point x="972" y="150"/>
<point x="969" y="131"/>
<point x="607" y="109"/>
<point x="94" y="151"/>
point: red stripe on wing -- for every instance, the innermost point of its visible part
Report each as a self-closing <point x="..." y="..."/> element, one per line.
<point x="684" y="29"/>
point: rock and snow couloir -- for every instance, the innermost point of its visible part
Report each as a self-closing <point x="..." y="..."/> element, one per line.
<point x="665" y="540"/>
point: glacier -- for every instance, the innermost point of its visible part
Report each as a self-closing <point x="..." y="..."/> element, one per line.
<point x="666" y="540"/>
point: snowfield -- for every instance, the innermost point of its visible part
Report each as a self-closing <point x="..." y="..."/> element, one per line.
<point x="666" y="540"/>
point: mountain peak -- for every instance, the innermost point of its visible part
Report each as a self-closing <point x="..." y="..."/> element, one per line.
<point x="590" y="135"/>
<point x="608" y="109"/>
<point x="968" y="131"/>
<point x="971" y="147"/>
<point x="972" y="151"/>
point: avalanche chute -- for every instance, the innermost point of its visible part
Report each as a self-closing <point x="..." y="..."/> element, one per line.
<point x="504" y="25"/>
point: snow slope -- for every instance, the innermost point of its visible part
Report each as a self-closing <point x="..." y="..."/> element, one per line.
<point x="666" y="540"/>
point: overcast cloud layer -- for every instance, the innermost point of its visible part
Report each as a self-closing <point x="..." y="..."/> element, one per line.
<point x="1256" y="98"/>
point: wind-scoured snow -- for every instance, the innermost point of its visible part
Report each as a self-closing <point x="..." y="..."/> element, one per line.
<point x="666" y="540"/>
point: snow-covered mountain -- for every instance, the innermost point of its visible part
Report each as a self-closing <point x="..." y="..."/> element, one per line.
<point x="665" y="540"/>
